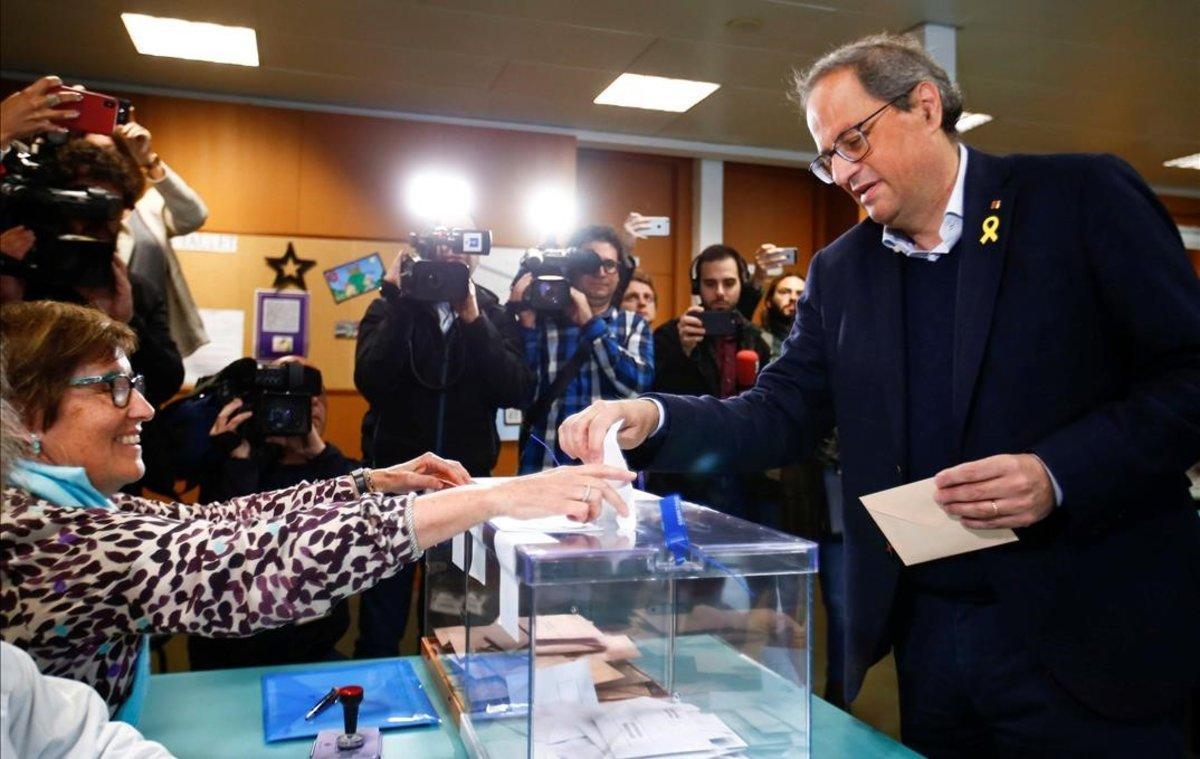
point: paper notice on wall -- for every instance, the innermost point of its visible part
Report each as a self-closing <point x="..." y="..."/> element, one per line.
<point x="226" y="332"/>
<point x="206" y="242"/>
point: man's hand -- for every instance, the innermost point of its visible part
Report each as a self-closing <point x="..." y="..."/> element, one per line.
<point x="393" y="272"/>
<point x="580" y="310"/>
<point x="228" y="420"/>
<point x="581" y="436"/>
<point x="426" y="472"/>
<point x="636" y="225"/>
<point x="16" y="243"/>
<point x="691" y="330"/>
<point x="137" y="137"/>
<point x="467" y="309"/>
<point x="516" y="294"/>
<point x="767" y="259"/>
<point x="115" y="300"/>
<point x="34" y="110"/>
<point x="1011" y="490"/>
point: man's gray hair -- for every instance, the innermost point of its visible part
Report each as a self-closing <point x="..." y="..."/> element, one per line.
<point x="887" y="66"/>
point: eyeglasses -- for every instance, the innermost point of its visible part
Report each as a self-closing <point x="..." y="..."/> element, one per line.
<point x="851" y="144"/>
<point x="608" y="265"/>
<point x="121" y="385"/>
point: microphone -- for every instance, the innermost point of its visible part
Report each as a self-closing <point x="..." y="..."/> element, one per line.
<point x="747" y="368"/>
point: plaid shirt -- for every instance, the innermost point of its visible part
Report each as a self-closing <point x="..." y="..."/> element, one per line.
<point x="621" y="365"/>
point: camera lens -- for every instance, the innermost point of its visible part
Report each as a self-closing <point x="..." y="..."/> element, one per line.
<point x="280" y="417"/>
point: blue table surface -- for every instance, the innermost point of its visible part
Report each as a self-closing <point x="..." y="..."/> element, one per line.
<point x="219" y="714"/>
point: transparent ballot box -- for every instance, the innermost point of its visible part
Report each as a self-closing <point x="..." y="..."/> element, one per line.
<point x="552" y="639"/>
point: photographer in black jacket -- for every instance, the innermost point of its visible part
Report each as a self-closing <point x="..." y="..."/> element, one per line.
<point x="434" y="375"/>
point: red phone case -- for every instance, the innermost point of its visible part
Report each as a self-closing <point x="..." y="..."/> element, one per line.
<point x="97" y="113"/>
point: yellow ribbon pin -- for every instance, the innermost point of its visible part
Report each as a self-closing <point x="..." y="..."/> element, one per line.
<point x="990" y="225"/>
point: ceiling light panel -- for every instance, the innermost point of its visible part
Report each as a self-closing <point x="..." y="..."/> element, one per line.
<point x="970" y="120"/>
<point x="192" y="40"/>
<point x="1186" y="162"/>
<point x="655" y="93"/>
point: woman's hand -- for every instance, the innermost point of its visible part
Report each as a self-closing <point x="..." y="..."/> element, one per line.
<point x="35" y="109"/>
<point x="578" y="492"/>
<point x="426" y="472"/>
<point x="227" y="423"/>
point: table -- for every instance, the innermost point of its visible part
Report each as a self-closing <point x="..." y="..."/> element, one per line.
<point x="219" y="714"/>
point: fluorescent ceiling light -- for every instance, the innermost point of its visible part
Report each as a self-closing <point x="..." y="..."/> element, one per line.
<point x="1187" y="162"/>
<point x="192" y="40"/>
<point x="971" y="120"/>
<point x="655" y="93"/>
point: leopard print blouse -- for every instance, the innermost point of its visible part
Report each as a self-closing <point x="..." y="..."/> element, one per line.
<point x="81" y="586"/>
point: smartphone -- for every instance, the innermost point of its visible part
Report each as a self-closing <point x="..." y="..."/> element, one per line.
<point x="718" y="323"/>
<point x="657" y="226"/>
<point x="98" y="113"/>
<point x="355" y="278"/>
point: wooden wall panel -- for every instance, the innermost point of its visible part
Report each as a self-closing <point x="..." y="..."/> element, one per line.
<point x="785" y="206"/>
<point x="610" y="184"/>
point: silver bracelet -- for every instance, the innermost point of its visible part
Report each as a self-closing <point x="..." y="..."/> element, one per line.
<point x="411" y="526"/>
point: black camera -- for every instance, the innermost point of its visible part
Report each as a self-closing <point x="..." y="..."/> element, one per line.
<point x="553" y="270"/>
<point x="474" y="242"/>
<point x="280" y="395"/>
<point x="32" y="195"/>
<point x="435" y="281"/>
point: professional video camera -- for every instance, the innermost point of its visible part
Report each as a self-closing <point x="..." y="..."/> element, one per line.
<point x="552" y="271"/>
<point x="442" y="281"/>
<point x="32" y="195"/>
<point x="279" y="395"/>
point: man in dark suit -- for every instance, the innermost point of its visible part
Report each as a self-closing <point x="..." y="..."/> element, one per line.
<point x="1026" y="330"/>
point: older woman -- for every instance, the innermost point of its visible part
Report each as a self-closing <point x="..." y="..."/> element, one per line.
<point x="91" y="571"/>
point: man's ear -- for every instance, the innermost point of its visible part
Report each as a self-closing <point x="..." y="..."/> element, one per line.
<point x="929" y="104"/>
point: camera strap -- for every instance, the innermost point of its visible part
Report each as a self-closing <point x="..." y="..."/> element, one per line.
<point x="540" y="409"/>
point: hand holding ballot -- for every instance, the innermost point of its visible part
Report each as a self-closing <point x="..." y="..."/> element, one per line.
<point x="999" y="491"/>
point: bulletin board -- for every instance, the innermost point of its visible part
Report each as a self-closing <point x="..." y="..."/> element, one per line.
<point x="225" y="276"/>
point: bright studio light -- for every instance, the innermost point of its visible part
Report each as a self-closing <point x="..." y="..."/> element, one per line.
<point x="439" y="197"/>
<point x="551" y="211"/>
<point x="192" y="40"/>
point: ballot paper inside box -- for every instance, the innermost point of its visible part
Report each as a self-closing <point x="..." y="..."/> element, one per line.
<point x="551" y="639"/>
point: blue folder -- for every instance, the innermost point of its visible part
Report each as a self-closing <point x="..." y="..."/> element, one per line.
<point x="392" y="697"/>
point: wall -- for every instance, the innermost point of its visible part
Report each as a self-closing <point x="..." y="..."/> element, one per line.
<point x="611" y="184"/>
<point x="785" y="206"/>
<point x="1185" y="211"/>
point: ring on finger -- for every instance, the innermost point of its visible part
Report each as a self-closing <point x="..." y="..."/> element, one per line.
<point x="995" y="509"/>
<point x="587" y="494"/>
<point x="53" y="99"/>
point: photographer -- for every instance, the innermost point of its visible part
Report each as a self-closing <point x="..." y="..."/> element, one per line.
<point x="168" y="208"/>
<point x="434" y="374"/>
<point x="81" y="165"/>
<point x="693" y="362"/>
<point x="255" y="464"/>
<point x="590" y="350"/>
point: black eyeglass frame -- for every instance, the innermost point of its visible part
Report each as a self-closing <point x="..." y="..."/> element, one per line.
<point x="822" y="165"/>
<point x="121" y="392"/>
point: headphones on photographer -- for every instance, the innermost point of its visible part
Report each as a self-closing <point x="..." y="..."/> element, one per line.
<point x="727" y="252"/>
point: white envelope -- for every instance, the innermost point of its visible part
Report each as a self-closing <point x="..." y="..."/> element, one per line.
<point x="919" y="530"/>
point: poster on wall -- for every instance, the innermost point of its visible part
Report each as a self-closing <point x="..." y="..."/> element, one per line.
<point x="280" y="324"/>
<point x="225" y="327"/>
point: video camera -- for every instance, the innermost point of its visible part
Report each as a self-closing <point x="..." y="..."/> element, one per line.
<point x="32" y="195"/>
<point x="280" y="395"/>
<point x="553" y="270"/>
<point x="442" y="281"/>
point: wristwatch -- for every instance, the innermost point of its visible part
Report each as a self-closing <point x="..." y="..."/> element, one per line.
<point x="362" y="480"/>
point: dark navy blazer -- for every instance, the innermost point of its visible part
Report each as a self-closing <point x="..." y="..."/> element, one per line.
<point x="1077" y="337"/>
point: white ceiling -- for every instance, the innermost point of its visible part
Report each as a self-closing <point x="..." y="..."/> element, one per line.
<point x="1120" y="76"/>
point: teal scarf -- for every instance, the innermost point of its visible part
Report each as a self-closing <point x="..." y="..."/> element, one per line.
<point x="69" y="487"/>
